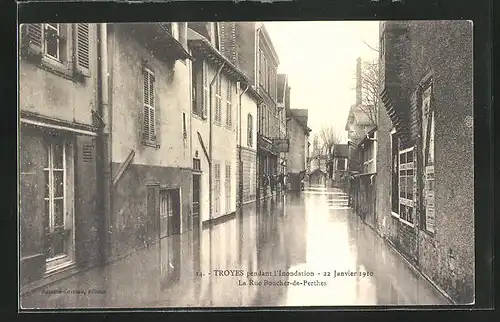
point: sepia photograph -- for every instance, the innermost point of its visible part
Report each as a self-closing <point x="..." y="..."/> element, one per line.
<point x="246" y="164"/>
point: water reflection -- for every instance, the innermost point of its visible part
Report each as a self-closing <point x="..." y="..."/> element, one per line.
<point x="283" y="236"/>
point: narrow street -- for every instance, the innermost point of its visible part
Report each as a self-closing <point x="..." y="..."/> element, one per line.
<point x="313" y="232"/>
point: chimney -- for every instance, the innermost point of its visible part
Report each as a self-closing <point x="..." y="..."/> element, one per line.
<point x="358" y="81"/>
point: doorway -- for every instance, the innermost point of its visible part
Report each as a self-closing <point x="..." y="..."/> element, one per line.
<point x="170" y="214"/>
<point x="196" y="201"/>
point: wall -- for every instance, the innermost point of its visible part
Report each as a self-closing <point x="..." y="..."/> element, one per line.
<point x="297" y="154"/>
<point x="170" y="163"/>
<point x="248" y="151"/>
<point x="57" y="96"/>
<point x="245" y="48"/>
<point x="446" y="257"/>
<point x="48" y="94"/>
<point x="387" y="224"/>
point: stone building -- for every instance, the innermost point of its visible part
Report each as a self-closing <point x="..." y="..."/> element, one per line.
<point x="59" y="211"/>
<point x="425" y="150"/>
<point x="216" y="83"/>
<point x="247" y="116"/>
<point x="298" y="155"/>
<point x="251" y="49"/>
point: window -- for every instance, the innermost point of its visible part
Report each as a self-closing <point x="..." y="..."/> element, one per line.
<point x="250" y="130"/>
<point x="58" y="211"/>
<point x="49" y="42"/>
<point x="261" y="65"/>
<point x="228" y="187"/>
<point x="407" y="179"/>
<point x="229" y="107"/>
<point x="341" y="164"/>
<point x="251" y="179"/>
<point x="184" y="128"/>
<point x="196" y="164"/>
<point x="200" y="88"/>
<point x="369" y="157"/>
<point x="382" y="46"/>
<point x="428" y="153"/>
<point x="218" y="99"/>
<point x="52" y="40"/>
<point x="149" y="119"/>
<point x="217" y="188"/>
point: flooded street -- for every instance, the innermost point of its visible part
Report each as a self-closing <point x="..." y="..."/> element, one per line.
<point x="305" y="249"/>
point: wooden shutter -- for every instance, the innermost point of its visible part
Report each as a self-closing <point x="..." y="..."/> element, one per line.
<point x="152" y="110"/>
<point x="205" y="89"/>
<point x="82" y="48"/>
<point x="34" y="38"/>
<point x="149" y="117"/>
<point x="414" y="116"/>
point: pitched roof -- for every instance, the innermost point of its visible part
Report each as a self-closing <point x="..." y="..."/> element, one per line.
<point x="357" y="116"/>
<point x="341" y="150"/>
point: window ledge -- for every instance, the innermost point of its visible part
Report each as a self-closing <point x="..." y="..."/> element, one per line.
<point x="201" y="118"/>
<point x="406" y="222"/>
<point x="394" y="214"/>
<point x="151" y="144"/>
<point x="57" y="68"/>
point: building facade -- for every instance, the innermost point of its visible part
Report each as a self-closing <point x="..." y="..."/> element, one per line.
<point x="425" y="149"/>
<point x="249" y="100"/>
<point x="149" y="145"/>
<point x="59" y="206"/>
<point x="217" y="85"/>
<point x="298" y="155"/>
<point x="248" y="44"/>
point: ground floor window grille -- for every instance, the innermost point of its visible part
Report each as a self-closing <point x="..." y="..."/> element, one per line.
<point x="228" y="188"/>
<point x="251" y="179"/>
<point x="217" y="189"/>
<point x="407" y="179"/>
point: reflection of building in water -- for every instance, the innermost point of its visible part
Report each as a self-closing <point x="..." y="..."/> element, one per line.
<point x="298" y="244"/>
<point x="170" y="261"/>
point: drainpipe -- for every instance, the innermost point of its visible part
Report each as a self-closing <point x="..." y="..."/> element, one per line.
<point x="240" y="187"/>
<point x="103" y="146"/>
<point x="211" y="139"/>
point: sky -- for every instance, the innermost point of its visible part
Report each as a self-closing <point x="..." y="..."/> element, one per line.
<point x="320" y="60"/>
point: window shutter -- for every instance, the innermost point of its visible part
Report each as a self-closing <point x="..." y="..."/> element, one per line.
<point x="82" y="49"/>
<point x="205" y="90"/>
<point x="414" y="116"/>
<point x="145" y="103"/>
<point x="34" y="38"/>
<point x="152" y="111"/>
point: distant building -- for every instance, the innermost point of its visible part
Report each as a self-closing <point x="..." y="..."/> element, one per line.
<point x="339" y="165"/>
<point x="425" y="150"/>
<point x="298" y="156"/>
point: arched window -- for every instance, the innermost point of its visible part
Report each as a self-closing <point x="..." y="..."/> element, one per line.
<point x="249" y="130"/>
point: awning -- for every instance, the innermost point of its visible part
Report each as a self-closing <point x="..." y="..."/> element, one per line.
<point x="51" y="123"/>
<point x="160" y="38"/>
<point x="203" y="47"/>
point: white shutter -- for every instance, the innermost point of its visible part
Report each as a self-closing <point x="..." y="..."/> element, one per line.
<point x="149" y="117"/>
<point x="82" y="48"/>
<point x="34" y="38"/>
<point x="205" y="89"/>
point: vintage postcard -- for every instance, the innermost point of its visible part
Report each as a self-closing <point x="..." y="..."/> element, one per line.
<point x="246" y="164"/>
